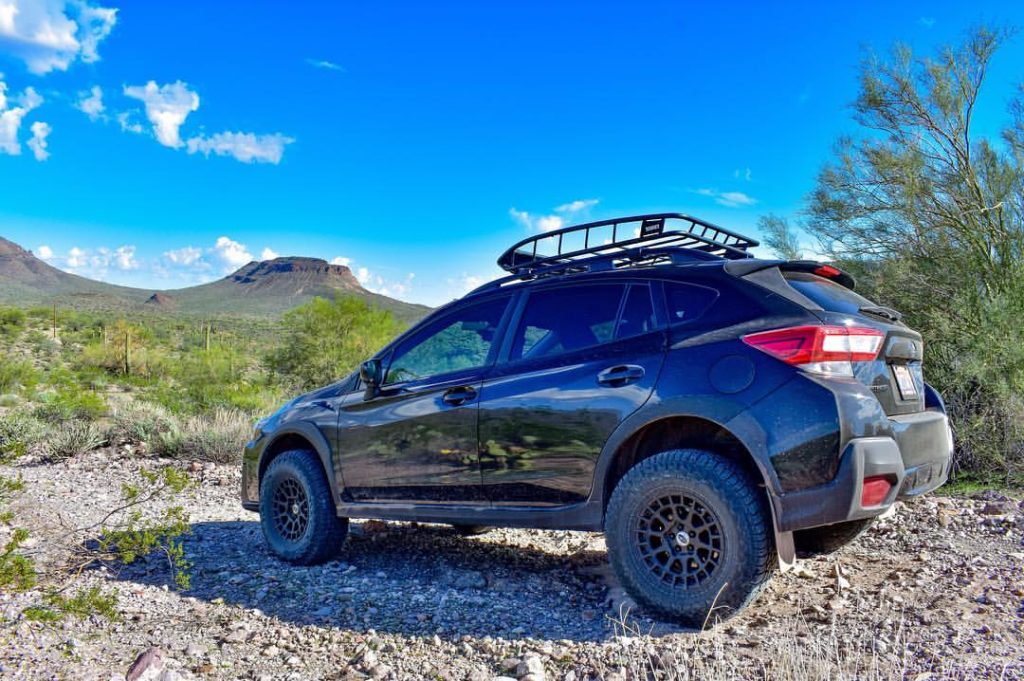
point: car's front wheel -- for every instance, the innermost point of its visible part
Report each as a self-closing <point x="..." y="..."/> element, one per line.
<point x="297" y="514"/>
<point x="689" y="536"/>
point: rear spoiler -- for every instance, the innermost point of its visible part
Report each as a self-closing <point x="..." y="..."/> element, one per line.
<point x="741" y="268"/>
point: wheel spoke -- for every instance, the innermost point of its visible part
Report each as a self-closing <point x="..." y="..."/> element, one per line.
<point x="680" y="540"/>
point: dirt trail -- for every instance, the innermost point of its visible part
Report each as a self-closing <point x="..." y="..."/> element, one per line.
<point x="935" y="591"/>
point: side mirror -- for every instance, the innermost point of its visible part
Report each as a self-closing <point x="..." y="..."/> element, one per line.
<point x="370" y="373"/>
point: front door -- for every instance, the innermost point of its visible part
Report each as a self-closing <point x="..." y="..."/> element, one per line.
<point x="582" y="358"/>
<point x="417" y="439"/>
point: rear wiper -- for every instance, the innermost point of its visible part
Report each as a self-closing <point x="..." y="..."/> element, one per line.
<point x="882" y="311"/>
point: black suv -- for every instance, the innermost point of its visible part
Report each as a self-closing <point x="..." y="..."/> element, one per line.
<point x="711" y="412"/>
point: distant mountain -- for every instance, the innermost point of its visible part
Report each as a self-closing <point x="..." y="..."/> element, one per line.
<point x="270" y="287"/>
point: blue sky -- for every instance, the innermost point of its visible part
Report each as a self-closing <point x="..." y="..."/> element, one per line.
<point x="416" y="141"/>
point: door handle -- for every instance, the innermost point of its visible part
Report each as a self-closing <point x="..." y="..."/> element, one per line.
<point x="459" y="395"/>
<point x="620" y="375"/>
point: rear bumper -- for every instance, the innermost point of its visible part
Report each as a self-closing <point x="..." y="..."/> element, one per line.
<point x="915" y="459"/>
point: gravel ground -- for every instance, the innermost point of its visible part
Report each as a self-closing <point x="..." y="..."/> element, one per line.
<point x="936" y="590"/>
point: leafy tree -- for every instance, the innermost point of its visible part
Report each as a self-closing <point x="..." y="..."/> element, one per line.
<point x="325" y="339"/>
<point x="780" y="237"/>
<point x="930" y="217"/>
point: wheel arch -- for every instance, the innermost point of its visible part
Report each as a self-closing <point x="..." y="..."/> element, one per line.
<point x="300" y="435"/>
<point x="708" y="423"/>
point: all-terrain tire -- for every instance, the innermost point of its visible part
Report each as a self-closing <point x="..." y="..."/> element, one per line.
<point x="470" y="530"/>
<point x="726" y="552"/>
<point x="297" y="514"/>
<point x="829" y="538"/>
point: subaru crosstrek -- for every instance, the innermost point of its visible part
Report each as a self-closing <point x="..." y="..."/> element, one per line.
<point x="711" y="412"/>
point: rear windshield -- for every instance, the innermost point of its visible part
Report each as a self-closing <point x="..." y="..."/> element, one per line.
<point x="828" y="294"/>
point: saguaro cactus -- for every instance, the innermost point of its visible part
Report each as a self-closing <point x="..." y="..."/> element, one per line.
<point x="127" y="353"/>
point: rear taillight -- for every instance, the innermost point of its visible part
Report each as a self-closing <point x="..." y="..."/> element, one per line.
<point x="820" y="349"/>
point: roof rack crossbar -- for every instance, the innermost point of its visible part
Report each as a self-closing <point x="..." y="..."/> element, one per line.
<point x="692" y="234"/>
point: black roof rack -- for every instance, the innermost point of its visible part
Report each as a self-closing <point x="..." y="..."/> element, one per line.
<point x="652" y="236"/>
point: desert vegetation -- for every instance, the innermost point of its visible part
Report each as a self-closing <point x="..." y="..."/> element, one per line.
<point x="928" y="214"/>
<point x="164" y="389"/>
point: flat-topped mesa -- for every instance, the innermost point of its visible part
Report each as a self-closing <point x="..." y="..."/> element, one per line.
<point x="292" y="265"/>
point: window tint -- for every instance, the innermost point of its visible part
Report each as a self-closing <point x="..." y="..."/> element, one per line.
<point x="461" y="340"/>
<point x="687" y="302"/>
<point x="566" y="319"/>
<point x="638" y="312"/>
<point x="828" y="294"/>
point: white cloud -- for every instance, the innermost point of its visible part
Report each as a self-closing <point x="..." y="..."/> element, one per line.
<point x="243" y="146"/>
<point x="553" y="221"/>
<point x="167" y="107"/>
<point x="124" y="258"/>
<point x="230" y="253"/>
<point x="44" y="252"/>
<point x="324" y="64"/>
<point x="91" y="103"/>
<point x="536" y="223"/>
<point x="728" y="199"/>
<point x="96" y="263"/>
<point x="184" y="256"/>
<point x="269" y="254"/>
<point x="549" y="223"/>
<point x="40" y="131"/>
<point x="51" y="34"/>
<point x="344" y="262"/>
<point x="12" y="111"/>
<point x="927" y="22"/>
<point x="577" y="206"/>
<point x="375" y="283"/>
<point x="742" y="174"/>
<point x="128" y="124"/>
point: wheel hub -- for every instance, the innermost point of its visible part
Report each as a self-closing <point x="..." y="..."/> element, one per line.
<point x="290" y="509"/>
<point x="680" y="540"/>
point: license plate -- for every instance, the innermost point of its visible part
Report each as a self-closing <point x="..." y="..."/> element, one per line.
<point x="905" y="382"/>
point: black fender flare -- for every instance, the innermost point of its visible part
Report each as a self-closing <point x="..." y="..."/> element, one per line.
<point x="309" y="432"/>
<point x="730" y="415"/>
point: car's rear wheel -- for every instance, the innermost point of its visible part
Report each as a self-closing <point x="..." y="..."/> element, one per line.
<point x="297" y="514"/>
<point x="689" y="536"/>
<point x="470" y="530"/>
<point x="829" y="538"/>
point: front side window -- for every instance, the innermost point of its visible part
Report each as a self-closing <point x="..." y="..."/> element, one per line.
<point x="458" y="341"/>
<point x="561" y="320"/>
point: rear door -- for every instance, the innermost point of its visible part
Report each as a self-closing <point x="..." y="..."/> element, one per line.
<point x="579" y="360"/>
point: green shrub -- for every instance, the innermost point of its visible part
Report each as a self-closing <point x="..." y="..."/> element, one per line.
<point x="70" y="402"/>
<point x="215" y="436"/>
<point x="12" y="321"/>
<point x="16" y="373"/>
<point x="324" y="340"/>
<point x="85" y="603"/>
<point x="18" y="432"/>
<point x="134" y="535"/>
<point x="72" y="438"/>
<point x="138" y="421"/>
<point x="17" y="572"/>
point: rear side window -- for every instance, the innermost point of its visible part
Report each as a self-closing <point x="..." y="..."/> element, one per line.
<point x="687" y="302"/>
<point x="827" y="294"/>
<point x="566" y="319"/>
<point x="637" y="313"/>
